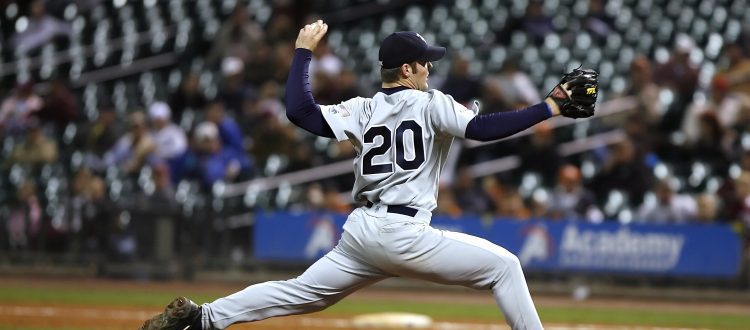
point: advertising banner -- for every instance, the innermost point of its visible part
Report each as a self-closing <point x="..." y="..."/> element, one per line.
<point x="680" y="250"/>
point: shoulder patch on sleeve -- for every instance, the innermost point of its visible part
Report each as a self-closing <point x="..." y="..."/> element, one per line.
<point x="341" y="111"/>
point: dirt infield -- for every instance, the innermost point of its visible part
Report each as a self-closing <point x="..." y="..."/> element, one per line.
<point x="89" y="317"/>
<point x="24" y="315"/>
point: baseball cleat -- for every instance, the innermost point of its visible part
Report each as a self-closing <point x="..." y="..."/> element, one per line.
<point x="180" y="314"/>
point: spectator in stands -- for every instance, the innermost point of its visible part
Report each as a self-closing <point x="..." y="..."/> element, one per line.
<point x="237" y="37"/>
<point x="493" y="190"/>
<point x="732" y="193"/>
<point x="324" y="198"/>
<point x="41" y="29"/>
<point x="680" y="75"/>
<point x="721" y="102"/>
<point x="281" y="29"/>
<point x="460" y="83"/>
<point x="301" y="159"/>
<point x="644" y="90"/>
<point x="262" y="67"/>
<point x="24" y="225"/>
<point x="270" y="99"/>
<point x="253" y="116"/>
<point x="505" y="201"/>
<point x="597" y="21"/>
<point x="214" y="161"/>
<point x="273" y="137"/>
<point x="228" y="129"/>
<point x="740" y="212"/>
<point x="235" y="88"/>
<point x="170" y="141"/>
<point x="510" y="88"/>
<point x="539" y="204"/>
<point x="334" y="200"/>
<point x="712" y="145"/>
<point x="87" y="212"/>
<point x="325" y="61"/>
<point x="60" y="106"/>
<point x="707" y="208"/>
<point x="188" y="96"/>
<point x="668" y="207"/>
<point x="623" y="169"/>
<point x="325" y="68"/>
<point x="534" y="23"/>
<point x="36" y="149"/>
<point x="163" y="186"/>
<point x="98" y="137"/>
<point x="539" y="153"/>
<point x="314" y="197"/>
<point x="347" y="87"/>
<point x="744" y="160"/>
<point x="638" y="131"/>
<point x="730" y="198"/>
<point x="741" y="125"/>
<point x="737" y="71"/>
<point x="324" y="87"/>
<point x="16" y="109"/>
<point x="513" y="206"/>
<point x="283" y="54"/>
<point x="468" y="195"/>
<point x="123" y="245"/>
<point x="132" y="150"/>
<point x="570" y="200"/>
<point x="447" y="204"/>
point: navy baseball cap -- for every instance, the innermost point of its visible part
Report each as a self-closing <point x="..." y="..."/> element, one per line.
<point x="406" y="47"/>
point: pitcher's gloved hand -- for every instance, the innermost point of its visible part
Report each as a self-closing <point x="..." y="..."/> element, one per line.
<point x="576" y="93"/>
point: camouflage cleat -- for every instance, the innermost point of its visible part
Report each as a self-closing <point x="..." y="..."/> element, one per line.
<point x="180" y="314"/>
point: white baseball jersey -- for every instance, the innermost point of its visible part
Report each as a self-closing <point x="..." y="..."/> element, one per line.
<point x="402" y="141"/>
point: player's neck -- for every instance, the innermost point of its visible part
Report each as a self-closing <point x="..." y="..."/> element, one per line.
<point x="394" y="85"/>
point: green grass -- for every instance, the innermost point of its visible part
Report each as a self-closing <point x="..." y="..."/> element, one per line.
<point x="41" y="328"/>
<point x="564" y="315"/>
<point x="645" y="317"/>
<point x="358" y="305"/>
<point x="93" y="297"/>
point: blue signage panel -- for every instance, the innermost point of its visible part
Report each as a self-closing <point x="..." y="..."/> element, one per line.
<point x="683" y="250"/>
<point x="296" y="237"/>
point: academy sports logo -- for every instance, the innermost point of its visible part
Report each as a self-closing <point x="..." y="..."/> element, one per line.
<point x="621" y="249"/>
<point x="538" y="246"/>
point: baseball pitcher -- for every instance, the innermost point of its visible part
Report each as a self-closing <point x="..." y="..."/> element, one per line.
<point x="402" y="136"/>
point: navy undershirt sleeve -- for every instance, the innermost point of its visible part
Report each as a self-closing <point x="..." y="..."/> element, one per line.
<point x="301" y="108"/>
<point x="494" y="126"/>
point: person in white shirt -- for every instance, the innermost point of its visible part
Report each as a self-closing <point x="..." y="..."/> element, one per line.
<point x="170" y="139"/>
<point x="668" y="207"/>
<point x="41" y="29"/>
<point x="722" y="101"/>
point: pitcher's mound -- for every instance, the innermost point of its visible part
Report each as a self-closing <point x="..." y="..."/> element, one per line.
<point x="392" y="321"/>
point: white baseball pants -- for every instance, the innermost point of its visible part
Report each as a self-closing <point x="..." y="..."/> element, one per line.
<point x="377" y="245"/>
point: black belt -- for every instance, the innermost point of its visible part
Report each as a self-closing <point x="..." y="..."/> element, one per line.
<point x="399" y="209"/>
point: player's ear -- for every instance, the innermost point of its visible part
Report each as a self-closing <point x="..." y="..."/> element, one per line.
<point x="406" y="70"/>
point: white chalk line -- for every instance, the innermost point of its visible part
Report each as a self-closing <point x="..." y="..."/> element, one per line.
<point x="307" y="322"/>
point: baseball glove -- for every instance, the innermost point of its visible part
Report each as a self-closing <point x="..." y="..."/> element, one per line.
<point x="576" y="93"/>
